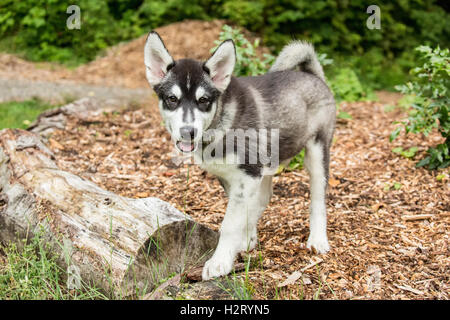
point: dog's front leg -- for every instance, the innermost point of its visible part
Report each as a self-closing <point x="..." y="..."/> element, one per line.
<point x="238" y="226"/>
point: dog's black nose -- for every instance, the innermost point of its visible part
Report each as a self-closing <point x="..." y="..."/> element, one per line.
<point x="188" y="132"/>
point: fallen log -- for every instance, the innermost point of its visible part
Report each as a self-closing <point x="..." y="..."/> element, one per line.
<point x="82" y="109"/>
<point x="121" y="244"/>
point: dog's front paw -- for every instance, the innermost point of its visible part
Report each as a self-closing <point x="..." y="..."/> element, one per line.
<point x="320" y="243"/>
<point x="217" y="266"/>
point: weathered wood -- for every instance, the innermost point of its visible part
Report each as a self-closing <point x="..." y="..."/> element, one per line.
<point x="119" y="243"/>
<point x="82" y="109"/>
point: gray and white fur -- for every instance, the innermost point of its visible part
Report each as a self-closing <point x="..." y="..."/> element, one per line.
<point x="198" y="96"/>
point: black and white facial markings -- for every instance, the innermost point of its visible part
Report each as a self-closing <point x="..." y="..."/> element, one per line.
<point x="188" y="90"/>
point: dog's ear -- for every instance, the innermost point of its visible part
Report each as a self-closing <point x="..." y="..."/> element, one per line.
<point x="156" y="59"/>
<point x="221" y="64"/>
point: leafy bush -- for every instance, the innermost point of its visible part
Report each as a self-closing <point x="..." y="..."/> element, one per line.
<point x="346" y="86"/>
<point x="430" y="86"/>
<point x="339" y="27"/>
<point x="38" y="29"/>
<point x="375" y="68"/>
<point x="247" y="61"/>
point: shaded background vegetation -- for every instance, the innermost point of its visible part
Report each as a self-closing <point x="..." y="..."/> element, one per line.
<point x="381" y="58"/>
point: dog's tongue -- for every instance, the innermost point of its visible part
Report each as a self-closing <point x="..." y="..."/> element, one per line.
<point x="185" y="146"/>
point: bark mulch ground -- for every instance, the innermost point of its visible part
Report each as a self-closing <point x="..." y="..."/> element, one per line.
<point x="388" y="221"/>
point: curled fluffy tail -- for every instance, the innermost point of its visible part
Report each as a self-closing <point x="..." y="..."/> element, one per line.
<point x="298" y="53"/>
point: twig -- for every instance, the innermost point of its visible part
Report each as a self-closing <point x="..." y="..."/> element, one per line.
<point x="408" y="288"/>
<point x="312" y="264"/>
<point x="414" y="217"/>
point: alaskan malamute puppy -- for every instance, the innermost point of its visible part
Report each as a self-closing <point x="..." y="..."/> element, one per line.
<point x="196" y="98"/>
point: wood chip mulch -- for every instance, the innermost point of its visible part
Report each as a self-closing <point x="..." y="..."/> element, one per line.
<point x="388" y="221"/>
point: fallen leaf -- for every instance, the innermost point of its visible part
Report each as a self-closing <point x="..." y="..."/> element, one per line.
<point x="291" y="279"/>
<point x="306" y="280"/>
<point x="334" y="182"/>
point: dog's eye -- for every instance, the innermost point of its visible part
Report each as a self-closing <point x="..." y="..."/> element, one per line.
<point x="173" y="99"/>
<point x="203" y="100"/>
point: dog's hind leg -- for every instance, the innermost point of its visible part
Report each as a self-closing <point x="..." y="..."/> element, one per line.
<point x="265" y="194"/>
<point x="225" y="186"/>
<point x="317" y="163"/>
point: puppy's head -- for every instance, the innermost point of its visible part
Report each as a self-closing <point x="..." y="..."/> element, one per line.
<point x="188" y="90"/>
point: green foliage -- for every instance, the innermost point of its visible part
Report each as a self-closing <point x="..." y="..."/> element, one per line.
<point x="430" y="86"/>
<point x="247" y="61"/>
<point x="245" y="13"/>
<point x="38" y="29"/>
<point x="381" y="57"/>
<point x="376" y="68"/>
<point x="346" y="86"/>
<point x="395" y="186"/>
<point x="21" y="114"/>
<point x="342" y="25"/>
<point x="297" y="161"/>
<point x="410" y="153"/>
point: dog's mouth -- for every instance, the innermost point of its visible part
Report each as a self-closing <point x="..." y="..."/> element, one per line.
<point x="185" y="146"/>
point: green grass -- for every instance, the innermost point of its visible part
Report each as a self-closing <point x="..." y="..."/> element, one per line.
<point x="19" y="114"/>
<point x="31" y="273"/>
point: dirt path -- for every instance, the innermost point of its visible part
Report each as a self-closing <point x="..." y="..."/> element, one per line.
<point x="61" y="92"/>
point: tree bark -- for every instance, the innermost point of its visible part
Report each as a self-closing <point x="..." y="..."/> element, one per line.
<point x="82" y="109"/>
<point x="123" y="245"/>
